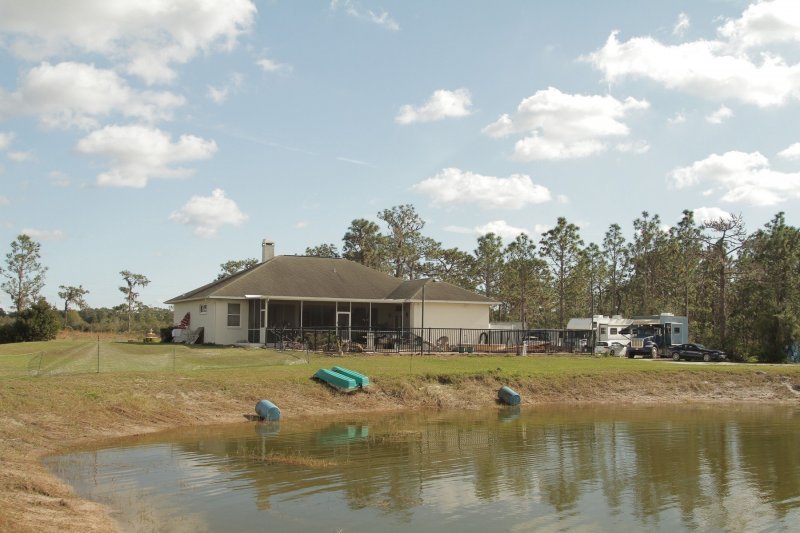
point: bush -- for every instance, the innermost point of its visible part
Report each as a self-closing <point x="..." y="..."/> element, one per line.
<point x="40" y="322"/>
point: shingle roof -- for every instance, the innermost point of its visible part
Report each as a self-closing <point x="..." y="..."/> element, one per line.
<point x="319" y="278"/>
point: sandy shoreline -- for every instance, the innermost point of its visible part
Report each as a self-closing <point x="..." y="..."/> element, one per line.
<point x="79" y="410"/>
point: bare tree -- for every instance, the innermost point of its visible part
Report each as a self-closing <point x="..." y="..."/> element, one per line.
<point x="131" y="296"/>
<point x="72" y="295"/>
<point x="727" y="238"/>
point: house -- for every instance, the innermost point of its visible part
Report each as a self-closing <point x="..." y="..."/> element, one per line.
<point x="299" y="292"/>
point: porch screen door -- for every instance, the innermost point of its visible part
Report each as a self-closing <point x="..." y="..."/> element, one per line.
<point x="343" y="326"/>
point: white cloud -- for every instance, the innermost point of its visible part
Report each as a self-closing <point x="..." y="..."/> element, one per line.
<point x="460" y="229"/>
<point x="301" y="224"/>
<point x="58" y="178"/>
<point x="501" y="228"/>
<point x="137" y="154"/>
<point x="677" y="118"/>
<point x="455" y="186"/>
<point x="268" y="65"/>
<point x="633" y="147"/>
<point x="763" y="23"/>
<point x="20" y="157"/>
<point x="715" y="69"/>
<point x="740" y="177"/>
<point x="44" y="234"/>
<point x="219" y="94"/>
<point x="682" y="25"/>
<point x="564" y="126"/>
<point x="562" y="199"/>
<point x="720" y="115"/>
<point x="353" y="161"/>
<point x="705" y="214"/>
<point x="442" y="104"/>
<point x="146" y="38"/>
<point x="382" y="19"/>
<point x="5" y="139"/>
<point x="208" y="213"/>
<point x="792" y="152"/>
<point x="4" y="200"/>
<point x="77" y="95"/>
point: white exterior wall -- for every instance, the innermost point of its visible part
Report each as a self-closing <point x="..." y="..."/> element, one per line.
<point x="214" y="321"/>
<point x="450" y="315"/>
<point x="224" y="334"/>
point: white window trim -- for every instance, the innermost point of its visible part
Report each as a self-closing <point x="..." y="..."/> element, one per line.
<point x="228" y="315"/>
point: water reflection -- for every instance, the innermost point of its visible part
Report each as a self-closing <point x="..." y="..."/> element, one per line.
<point x="598" y="468"/>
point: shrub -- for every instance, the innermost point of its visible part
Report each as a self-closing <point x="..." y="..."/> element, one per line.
<point x="40" y="322"/>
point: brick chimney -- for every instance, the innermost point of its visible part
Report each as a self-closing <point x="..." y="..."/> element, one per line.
<point x="267" y="250"/>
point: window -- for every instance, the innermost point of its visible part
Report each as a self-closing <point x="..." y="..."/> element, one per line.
<point x="602" y="331"/>
<point x="613" y="331"/>
<point x="203" y="309"/>
<point x="234" y="315"/>
<point x="676" y="329"/>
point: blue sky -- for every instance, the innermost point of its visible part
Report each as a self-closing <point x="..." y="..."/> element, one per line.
<point x="165" y="138"/>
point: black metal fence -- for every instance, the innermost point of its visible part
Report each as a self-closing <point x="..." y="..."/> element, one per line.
<point x="430" y="340"/>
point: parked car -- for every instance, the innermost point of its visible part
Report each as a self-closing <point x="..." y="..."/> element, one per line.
<point x="648" y="349"/>
<point x="610" y="348"/>
<point x="696" y="351"/>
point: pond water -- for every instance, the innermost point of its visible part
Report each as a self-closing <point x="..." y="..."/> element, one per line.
<point x="574" y="468"/>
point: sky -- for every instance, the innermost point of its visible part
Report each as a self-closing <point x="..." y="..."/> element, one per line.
<point x="170" y="136"/>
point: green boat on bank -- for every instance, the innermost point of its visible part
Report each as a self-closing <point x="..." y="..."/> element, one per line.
<point x="342" y="378"/>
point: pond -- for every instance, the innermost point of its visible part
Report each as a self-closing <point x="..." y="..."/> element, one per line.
<point x="556" y="468"/>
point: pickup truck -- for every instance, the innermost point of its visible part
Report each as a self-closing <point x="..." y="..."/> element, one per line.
<point x="648" y="349"/>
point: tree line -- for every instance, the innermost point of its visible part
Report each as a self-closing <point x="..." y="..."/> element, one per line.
<point x="740" y="290"/>
<point x="35" y="319"/>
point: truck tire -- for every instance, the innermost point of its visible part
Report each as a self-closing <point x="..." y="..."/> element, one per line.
<point x="654" y="353"/>
<point x="676" y="356"/>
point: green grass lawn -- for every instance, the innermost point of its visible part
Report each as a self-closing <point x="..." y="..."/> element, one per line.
<point x="81" y="357"/>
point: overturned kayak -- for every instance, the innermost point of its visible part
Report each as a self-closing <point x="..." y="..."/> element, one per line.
<point x="360" y="379"/>
<point x="336" y="380"/>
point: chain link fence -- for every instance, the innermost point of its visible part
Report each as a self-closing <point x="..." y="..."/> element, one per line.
<point x="105" y="357"/>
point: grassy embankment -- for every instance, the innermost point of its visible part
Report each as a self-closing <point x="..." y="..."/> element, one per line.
<point x="138" y="391"/>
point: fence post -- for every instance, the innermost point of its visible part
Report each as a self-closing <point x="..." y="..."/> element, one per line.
<point x="173" y="358"/>
<point x="39" y="370"/>
<point x="98" y="354"/>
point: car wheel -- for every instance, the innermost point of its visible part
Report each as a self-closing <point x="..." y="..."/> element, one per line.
<point x="676" y="356"/>
<point x="706" y="357"/>
<point x="612" y="353"/>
